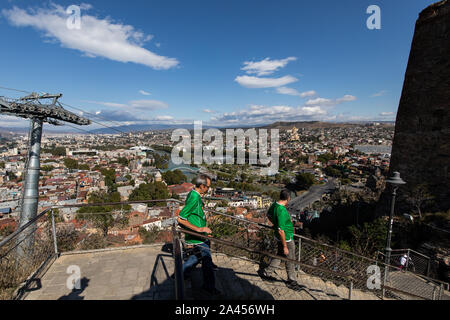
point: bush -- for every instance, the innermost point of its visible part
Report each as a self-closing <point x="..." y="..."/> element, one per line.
<point x="304" y="181"/>
<point x="149" y="237"/>
<point x="66" y="239"/>
<point x="94" y="241"/>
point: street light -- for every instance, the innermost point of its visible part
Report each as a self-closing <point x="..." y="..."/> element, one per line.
<point x="396" y="181"/>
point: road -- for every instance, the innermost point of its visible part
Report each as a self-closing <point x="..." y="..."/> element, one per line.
<point x="312" y="195"/>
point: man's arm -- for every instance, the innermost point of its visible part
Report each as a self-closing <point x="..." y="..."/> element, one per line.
<point x="192" y="227"/>
<point x="283" y="241"/>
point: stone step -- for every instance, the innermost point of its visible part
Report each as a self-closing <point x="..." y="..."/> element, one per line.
<point x="230" y="284"/>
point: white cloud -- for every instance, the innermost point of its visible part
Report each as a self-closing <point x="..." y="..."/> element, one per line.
<point x="145" y="93"/>
<point x="329" y="102"/>
<point x="255" y="82"/>
<point x="163" y="118"/>
<point x="108" y="104"/>
<point x="319" y="101"/>
<point x="208" y="111"/>
<point x="308" y="94"/>
<point x="294" y="92"/>
<point x="117" y="115"/>
<point x="262" y="114"/>
<point x="379" y="94"/>
<point x="134" y="104"/>
<point x="387" y="114"/>
<point x="346" y="98"/>
<point x="266" y="66"/>
<point x="148" y="104"/>
<point x="96" y="38"/>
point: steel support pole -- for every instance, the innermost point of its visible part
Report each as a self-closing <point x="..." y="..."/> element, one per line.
<point x="388" y="241"/>
<point x="30" y="190"/>
<point x="54" y="232"/>
<point x="350" y="290"/>
<point x="407" y="259"/>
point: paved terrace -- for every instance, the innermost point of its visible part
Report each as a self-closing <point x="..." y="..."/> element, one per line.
<point x="143" y="272"/>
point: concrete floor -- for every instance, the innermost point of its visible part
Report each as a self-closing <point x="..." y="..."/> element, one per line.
<point x="109" y="275"/>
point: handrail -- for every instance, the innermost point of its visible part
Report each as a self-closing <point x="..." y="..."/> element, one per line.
<point x="81" y="205"/>
<point x="411" y="250"/>
<point x="295" y="235"/>
<point x="320" y="243"/>
<point x="15" y="233"/>
<point x="336" y="249"/>
<point x="316" y="268"/>
<point x="179" y="278"/>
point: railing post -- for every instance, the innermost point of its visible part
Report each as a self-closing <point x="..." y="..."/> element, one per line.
<point x="350" y="289"/>
<point x="434" y="293"/>
<point x="54" y="232"/>
<point x="407" y="260"/>
<point x="299" y="249"/>
<point x="440" y="292"/>
<point x="179" y="278"/>
<point x="428" y="267"/>
<point x="297" y="267"/>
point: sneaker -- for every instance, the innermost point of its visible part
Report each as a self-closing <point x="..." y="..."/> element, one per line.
<point x="293" y="285"/>
<point x="265" y="276"/>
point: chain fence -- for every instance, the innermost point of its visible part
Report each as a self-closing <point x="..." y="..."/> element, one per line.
<point x="25" y="253"/>
<point x="241" y="249"/>
<point x="326" y="262"/>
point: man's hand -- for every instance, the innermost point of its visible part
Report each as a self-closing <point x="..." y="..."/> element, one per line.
<point x="286" y="251"/>
<point x="205" y="229"/>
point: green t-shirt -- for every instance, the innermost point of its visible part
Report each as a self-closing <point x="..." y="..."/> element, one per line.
<point x="193" y="213"/>
<point x="281" y="219"/>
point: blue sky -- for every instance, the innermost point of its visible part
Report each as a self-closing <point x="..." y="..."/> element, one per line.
<point x="223" y="62"/>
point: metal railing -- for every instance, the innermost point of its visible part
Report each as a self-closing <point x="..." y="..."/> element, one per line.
<point x="315" y="257"/>
<point x="235" y="237"/>
<point x="415" y="262"/>
<point x="19" y="263"/>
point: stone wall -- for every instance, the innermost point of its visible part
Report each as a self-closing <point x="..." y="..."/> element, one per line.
<point x="421" y="146"/>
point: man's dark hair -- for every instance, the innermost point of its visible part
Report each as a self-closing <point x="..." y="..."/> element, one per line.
<point x="285" y="195"/>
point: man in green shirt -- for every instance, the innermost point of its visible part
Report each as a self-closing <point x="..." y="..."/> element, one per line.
<point x="193" y="218"/>
<point x="284" y="234"/>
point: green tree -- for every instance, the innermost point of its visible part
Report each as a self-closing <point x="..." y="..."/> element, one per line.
<point x="324" y="158"/>
<point x="150" y="236"/>
<point x="71" y="163"/>
<point x="102" y="216"/>
<point x="304" y="181"/>
<point x="174" y="177"/>
<point x="110" y="176"/>
<point x="332" y="172"/>
<point x="11" y="176"/>
<point x="418" y="196"/>
<point x="83" y="167"/>
<point x="123" y="161"/>
<point x="150" y="191"/>
<point x="369" y="238"/>
<point x="2" y="165"/>
<point x="47" y="168"/>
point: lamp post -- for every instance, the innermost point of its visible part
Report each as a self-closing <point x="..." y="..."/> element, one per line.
<point x="396" y="181"/>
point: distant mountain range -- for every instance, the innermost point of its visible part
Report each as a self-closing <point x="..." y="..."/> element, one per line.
<point x="5" y="132"/>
